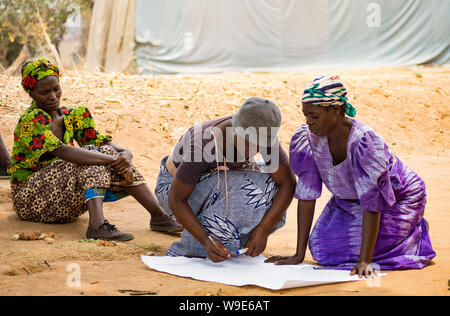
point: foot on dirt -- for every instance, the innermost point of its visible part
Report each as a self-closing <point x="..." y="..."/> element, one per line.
<point x="165" y="223"/>
<point x="106" y="231"/>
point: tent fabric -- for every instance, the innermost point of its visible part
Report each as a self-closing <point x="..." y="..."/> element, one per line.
<point x="203" y="36"/>
<point x="111" y="42"/>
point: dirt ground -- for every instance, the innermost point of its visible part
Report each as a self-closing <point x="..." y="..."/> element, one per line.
<point x="409" y="107"/>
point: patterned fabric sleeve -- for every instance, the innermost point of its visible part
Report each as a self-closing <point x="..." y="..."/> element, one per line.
<point x="370" y="165"/>
<point x="35" y="137"/>
<point x="84" y="128"/>
<point x="301" y="161"/>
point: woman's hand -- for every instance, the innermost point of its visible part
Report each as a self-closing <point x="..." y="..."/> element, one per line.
<point x="370" y="227"/>
<point x="122" y="162"/>
<point x="290" y="260"/>
<point x="363" y="269"/>
<point x="257" y="242"/>
<point x="215" y="250"/>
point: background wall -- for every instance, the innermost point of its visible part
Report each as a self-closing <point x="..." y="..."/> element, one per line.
<point x="197" y="36"/>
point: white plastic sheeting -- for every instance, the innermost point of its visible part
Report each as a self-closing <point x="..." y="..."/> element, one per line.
<point x="111" y="36"/>
<point x="201" y="36"/>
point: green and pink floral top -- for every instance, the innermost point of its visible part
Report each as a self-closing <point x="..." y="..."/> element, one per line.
<point x="34" y="141"/>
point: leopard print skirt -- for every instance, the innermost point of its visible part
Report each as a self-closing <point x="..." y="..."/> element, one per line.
<point x="55" y="194"/>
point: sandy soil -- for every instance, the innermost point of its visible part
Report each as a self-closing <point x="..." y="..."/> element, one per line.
<point x="409" y="107"/>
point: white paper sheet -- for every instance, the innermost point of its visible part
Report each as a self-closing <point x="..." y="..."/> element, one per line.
<point x="245" y="270"/>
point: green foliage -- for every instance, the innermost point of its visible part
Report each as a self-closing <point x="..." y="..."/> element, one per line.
<point x="19" y="24"/>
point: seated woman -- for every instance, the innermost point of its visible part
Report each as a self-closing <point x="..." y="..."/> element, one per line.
<point x="240" y="207"/>
<point x="5" y="160"/>
<point x="376" y="212"/>
<point x="52" y="181"/>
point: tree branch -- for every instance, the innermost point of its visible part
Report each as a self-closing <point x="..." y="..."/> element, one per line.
<point x="47" y="38"/>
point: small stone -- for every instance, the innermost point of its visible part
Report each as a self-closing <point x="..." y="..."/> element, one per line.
<point x="42" y="236"/>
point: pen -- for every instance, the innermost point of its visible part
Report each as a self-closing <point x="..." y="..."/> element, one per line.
<point x="237" y="253"/>
<point x="241" y="251"/>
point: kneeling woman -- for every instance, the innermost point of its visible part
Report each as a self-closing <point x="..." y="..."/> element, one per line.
<point x="376" y="211"/>
<point x="239" y="207"/>
<point x="52" y="181"/>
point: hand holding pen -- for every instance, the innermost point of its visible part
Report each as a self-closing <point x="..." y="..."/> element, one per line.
<point x="215" y="250"/>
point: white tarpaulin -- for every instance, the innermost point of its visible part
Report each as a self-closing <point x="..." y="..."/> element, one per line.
<point x="245" y="270"/>
<point x="111" y="36"/>
<point x="200" y="36"/>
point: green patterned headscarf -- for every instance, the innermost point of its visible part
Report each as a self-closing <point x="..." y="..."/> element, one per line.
<point x="35" y="70"/>
<point x="328" y="91"/>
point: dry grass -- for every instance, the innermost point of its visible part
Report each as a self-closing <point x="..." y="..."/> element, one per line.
<point x="39" y="258"/>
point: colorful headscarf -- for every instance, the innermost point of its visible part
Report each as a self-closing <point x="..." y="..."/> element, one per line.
<point x="328" y="91"/>
<point x="35" y="70"/>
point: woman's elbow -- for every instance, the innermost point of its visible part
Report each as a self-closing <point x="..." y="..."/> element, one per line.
<point x="174" y="202"/>
<point x="61" y="152"/>
<point x="171" y="202"/>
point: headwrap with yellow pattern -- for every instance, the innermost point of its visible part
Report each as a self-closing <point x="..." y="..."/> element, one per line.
<point x="35" y="70"/>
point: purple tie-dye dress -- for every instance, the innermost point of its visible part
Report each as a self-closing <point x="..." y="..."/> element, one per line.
<point x="372" y="179"/>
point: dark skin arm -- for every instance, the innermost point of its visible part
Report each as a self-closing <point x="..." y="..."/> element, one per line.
<point x="178" y="194"/>
<point x="120" y="163"/>
<point x="285" y="181"/>
<point x="82" y="157"/>
<point x="305" y="215"/>
<point x="371" y="224"/>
